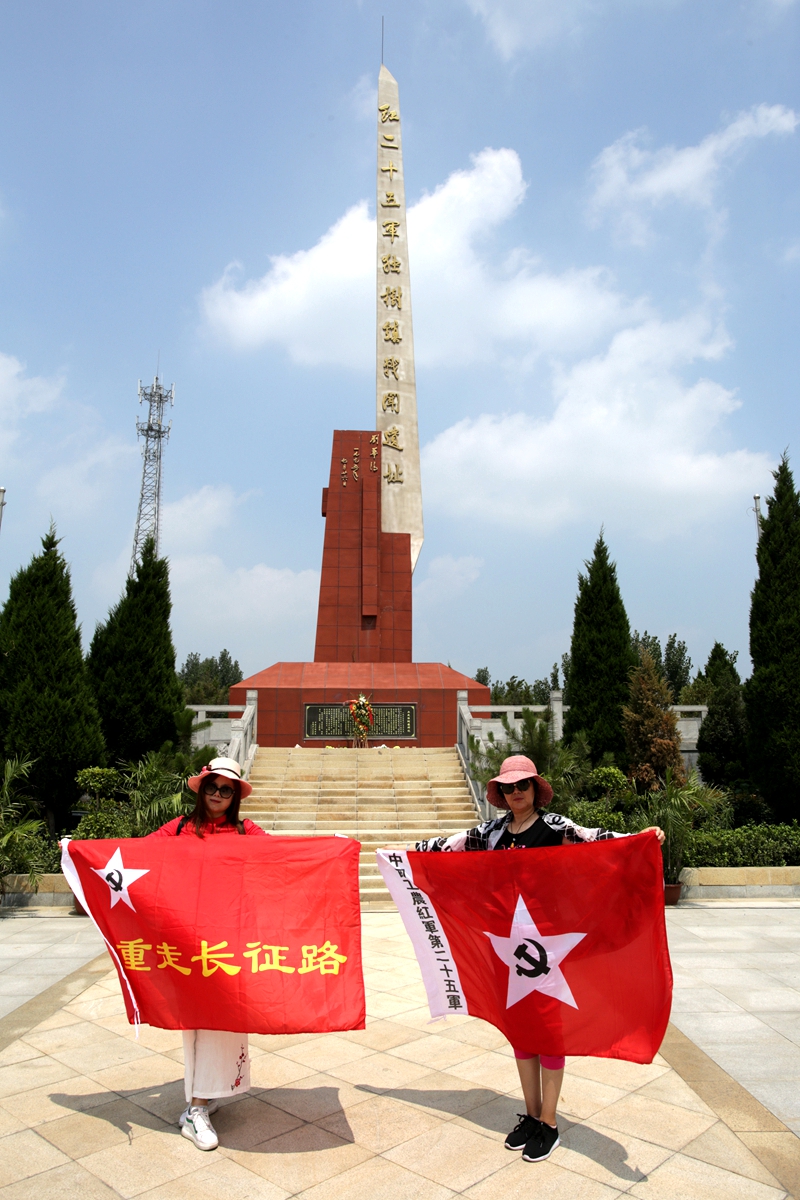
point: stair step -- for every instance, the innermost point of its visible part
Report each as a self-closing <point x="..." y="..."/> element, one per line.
<point x="377" y="797"/>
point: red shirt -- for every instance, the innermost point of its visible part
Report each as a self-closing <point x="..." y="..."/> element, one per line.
<point x="220" y="825"/>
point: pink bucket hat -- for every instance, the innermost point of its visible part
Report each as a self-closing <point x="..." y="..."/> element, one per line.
<point x="228" y="768"/>
<point x="514" y="768"/>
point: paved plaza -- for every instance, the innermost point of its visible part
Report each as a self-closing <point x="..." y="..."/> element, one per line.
<point x="404" y="1109"/>
<point x="737" y="994"/>
<point x="37" y="951"/>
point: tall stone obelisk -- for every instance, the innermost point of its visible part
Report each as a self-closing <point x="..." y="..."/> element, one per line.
<point x="401" y="486"/>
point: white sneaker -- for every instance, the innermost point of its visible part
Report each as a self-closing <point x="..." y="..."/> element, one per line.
<point x="198" y="1128"/>
<point x="213" y="1105"/>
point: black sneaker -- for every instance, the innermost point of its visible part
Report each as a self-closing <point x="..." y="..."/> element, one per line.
<point x="542" y="1143"/>
<point x="522" y="1132"/>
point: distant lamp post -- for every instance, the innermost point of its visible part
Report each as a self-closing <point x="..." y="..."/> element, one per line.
<point x="757" y="511"/>
<point x="2" y="503"/>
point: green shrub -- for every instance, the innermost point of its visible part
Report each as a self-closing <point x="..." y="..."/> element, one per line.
<point x="747" y="846"/>
<point x="36" y="855"/>
<point x="116" y="822"/>
<point x="607" y="783"/>
<point x="594" y="813"/>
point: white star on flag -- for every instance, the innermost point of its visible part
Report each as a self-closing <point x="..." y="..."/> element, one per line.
<point x="119" y="878"/>
<point x="533" y="960"/>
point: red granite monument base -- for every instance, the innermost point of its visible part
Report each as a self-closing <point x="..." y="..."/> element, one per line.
<point x="285" y="689"/>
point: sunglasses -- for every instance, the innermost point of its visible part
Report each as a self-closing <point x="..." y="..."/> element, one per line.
<point x="224" y="792"/>
<point x="521" y="785"/>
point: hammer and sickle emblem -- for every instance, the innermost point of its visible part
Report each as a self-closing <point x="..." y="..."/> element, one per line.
<point x="538" y="965"/>
<point x="114" y="880"/>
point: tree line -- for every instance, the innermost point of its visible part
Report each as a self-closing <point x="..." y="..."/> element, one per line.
<point x="121" y="704"/>
<point x="620" y="685"/>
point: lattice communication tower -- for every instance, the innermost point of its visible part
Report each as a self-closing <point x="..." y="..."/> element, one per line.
<point x="155" y="434"/>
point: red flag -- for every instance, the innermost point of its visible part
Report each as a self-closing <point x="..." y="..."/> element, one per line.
<point x="252" y="935"/>
<point x="563" y="948"/>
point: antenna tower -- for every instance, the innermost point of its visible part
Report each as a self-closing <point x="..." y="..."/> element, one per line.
<point x="155" y="433"/>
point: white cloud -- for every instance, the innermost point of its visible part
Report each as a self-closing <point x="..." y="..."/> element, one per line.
<point x="446" y="578"/>
<point x="628" y="438"/>
<point x="364" y="98"/>
<point x="90" y="475"/>
<point x="319" y="303"/>
<point x="250" y="610"/>
<point x="195" y="520"/>
<point x="22" y="396"/>
<point x="514" y="25"/>
<point x="630" y="179"/>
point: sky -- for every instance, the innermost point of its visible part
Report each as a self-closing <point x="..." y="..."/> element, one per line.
<point x="604" y="241"/>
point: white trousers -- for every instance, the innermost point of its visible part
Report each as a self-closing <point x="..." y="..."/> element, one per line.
<point x="216" y="1064"/>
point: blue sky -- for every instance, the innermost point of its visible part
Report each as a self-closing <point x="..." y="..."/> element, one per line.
<point x="604" y="238"/>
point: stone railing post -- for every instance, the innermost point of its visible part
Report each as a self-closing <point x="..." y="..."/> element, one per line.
<point x="557" y="709"/>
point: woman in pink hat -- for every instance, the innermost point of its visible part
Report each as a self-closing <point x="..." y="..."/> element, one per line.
<point x="524" y="794"/>
<point x="216" y="1063"/>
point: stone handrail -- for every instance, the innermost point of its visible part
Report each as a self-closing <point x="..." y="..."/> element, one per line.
<point x="465" y="728"/>
<point x="235" y="737"/>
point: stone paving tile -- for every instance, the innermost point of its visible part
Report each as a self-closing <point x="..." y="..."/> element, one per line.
<point x="671" y="1089"/>
<point x="220" y="1179"/>
<point x="383" y="1035"/>
<point x="251" y="1120"/>
<point x="22" y="1076"/>
<point x="451" y="1155"/>
<point x="143" y="1163"/>
<point x="317" y="1096"/>
<point x="60" y="1183"/>
<point x="582" y="1097"/>
<point x="98" y="1128"/>
<point x="301" y="1158"/>
<point x="720" y="1147"/>
<point x="377" y="1179"/>
<point x="437" y="1052"/>
<point x="326" y="1052"/>
<point x="690" y="1179"/>
<point x="521" y="1181"/>
<point x="380" y="1123"/>
<point x="18" y="1052"/>
<point x="608" y="1156"/>
<point x="668" y="1125"/>
<point x="25" y="1153"/>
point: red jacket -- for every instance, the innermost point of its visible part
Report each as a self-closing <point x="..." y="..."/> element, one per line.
<point x="209" y="827"/>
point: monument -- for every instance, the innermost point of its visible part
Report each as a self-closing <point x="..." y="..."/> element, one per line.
<point x="372" y="507"/>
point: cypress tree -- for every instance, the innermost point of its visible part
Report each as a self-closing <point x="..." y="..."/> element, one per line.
<point x="132" y="664"/>
<point x="49" y="712"/>
<point x="651" y="727"/>
<point x="601" y="658"/>
<point x="722" y="742"/>
<point x="772" y="694"/>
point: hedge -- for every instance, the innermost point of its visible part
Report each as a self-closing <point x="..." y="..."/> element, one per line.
<point x="747" y="846"/>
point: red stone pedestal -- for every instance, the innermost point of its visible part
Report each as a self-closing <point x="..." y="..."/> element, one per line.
<point x="285" y="688"/>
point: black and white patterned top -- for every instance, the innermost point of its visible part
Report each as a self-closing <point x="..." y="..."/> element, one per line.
<point x="554" y="830"/>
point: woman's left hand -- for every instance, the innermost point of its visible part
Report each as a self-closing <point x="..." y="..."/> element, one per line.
<point x="658" y="832"/>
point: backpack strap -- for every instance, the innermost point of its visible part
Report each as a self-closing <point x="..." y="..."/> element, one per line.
<point x="181" y="825"/>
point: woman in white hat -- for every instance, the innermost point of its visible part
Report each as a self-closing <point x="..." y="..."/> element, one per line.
<point x="216" y="1063"/>
<point x="524" y="794"/>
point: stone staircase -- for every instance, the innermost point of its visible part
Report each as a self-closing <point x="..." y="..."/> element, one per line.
<point x="380" y="797"/>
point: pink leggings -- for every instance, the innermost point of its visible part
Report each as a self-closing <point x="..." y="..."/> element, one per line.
<point x="549" y="1062"/>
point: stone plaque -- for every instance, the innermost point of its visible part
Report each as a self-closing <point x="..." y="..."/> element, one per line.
<point x="333" y="721"/>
